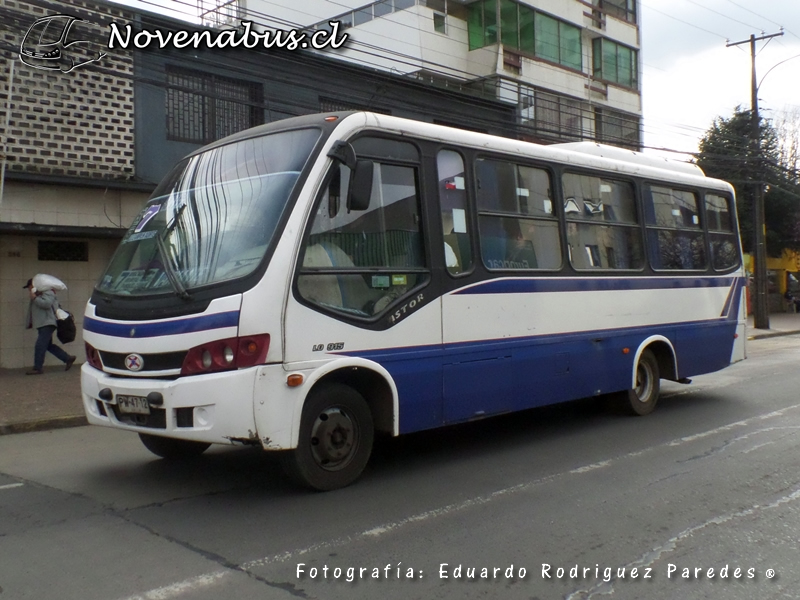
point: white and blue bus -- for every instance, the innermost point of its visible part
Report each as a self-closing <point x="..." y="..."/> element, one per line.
<point x="302" y="285"/>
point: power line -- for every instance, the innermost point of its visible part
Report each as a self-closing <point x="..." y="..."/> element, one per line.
<point x="719" y="13"/>
<point x="684" y="22"/>
<point x="372" y="54"/>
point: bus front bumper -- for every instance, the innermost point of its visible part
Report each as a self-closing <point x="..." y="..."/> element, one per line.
<point x="215" y="408"/>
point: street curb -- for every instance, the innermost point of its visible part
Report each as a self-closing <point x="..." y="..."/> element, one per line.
<point x="43" y="425"/>
<point x="760" y="336"/>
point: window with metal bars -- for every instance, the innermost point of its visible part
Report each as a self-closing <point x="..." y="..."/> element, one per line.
<point x="327" y="104"/>
<point x="203" y="107"/>
<point x="617" y="129"/>
<point x="214" y="13"/>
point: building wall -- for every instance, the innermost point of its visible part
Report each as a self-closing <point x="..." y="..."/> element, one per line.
<point x="19" y="262"/>
<point x="41" y="204"/>
<point x="77" y="124"/>
<point x="70" y="171"/>
<point x="295" y="84"/>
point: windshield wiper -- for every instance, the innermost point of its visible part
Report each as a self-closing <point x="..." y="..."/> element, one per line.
<point x="178" y="212"/>
<point x="166" y="258"/>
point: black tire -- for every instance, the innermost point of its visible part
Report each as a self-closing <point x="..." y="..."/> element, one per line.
<point x="336" y="435"/>
<point x="171" y="448"/>
<point x="642" y="399"/>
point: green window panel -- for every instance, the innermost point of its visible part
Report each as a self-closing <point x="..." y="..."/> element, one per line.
<point x="570" y="46"/>
<point x="490" y="22"/>
<point x="509" y="23"/>
<point x="614" y="62"/>
<point x="522" y="28"/>
<point x="526" y="30"/>
<point x="475" y="26"/>
<point x="546" y="37"/>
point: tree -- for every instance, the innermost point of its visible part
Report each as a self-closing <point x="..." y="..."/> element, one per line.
<point x="787" y="124"/>
<point x="727" y="152"/>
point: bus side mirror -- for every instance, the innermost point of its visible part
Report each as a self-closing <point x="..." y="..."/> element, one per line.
<point x="360" y="190"/>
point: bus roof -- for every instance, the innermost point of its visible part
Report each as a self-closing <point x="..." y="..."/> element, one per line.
<point x="583" y="154"/>
<point x="623" y="154"/>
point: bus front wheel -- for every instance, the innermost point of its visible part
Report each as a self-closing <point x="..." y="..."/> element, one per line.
<point x="642" y="399"/>
<point x="171" y="448"/>
<point x="336" y="434"/>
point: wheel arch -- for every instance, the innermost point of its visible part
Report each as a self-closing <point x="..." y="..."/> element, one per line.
<point x="369" y="379"/>
<point x="665" y="355"/>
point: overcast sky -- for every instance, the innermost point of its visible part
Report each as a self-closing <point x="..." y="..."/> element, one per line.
<point x="689" y="75"/>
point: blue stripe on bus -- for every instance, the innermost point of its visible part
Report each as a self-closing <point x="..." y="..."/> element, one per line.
<point x="442" y="384"/>
<point x="563" y="284"/>
<point x="144" y="330"/>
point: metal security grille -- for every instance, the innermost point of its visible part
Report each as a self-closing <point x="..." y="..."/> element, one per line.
<point x="334" y="105"/>
<point x="203" y="107"/>
<point x="63" y="251"/>
<point x="617" y="129"/>
<point x="214" y="13"/>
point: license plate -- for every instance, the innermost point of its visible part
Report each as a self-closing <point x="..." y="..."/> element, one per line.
<point x="133" y="405"/>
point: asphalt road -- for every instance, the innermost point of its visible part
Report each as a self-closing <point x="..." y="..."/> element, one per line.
<point x="701" y="499"/>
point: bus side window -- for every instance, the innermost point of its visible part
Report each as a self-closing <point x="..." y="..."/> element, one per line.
<point x="517" y="225"/>
<point x="674" y="231"/>
<point x="724" y="243"/>
<point x="453" y="205"/>
<point x="359" y="261"/>
<point x="602" y="224"/>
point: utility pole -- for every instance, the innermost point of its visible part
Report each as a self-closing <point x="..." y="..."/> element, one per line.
<point x="761" y="297"/>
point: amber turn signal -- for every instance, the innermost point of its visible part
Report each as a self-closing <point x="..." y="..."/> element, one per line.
<point x="294" y="380"/>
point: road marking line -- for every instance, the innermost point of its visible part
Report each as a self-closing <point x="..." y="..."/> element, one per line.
<point x="11" y="485"/>
<point x="606" y="588"/>
<point x="181" y="587"/>
<point x="379" y="530"/>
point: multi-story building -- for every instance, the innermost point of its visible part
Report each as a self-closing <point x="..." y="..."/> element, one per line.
<point x="570" y="68"/>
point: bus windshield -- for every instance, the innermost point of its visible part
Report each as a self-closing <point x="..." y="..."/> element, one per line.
<point x="212" y="218"/>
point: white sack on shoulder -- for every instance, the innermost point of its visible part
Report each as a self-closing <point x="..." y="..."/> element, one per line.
<point x="43" y="283"/>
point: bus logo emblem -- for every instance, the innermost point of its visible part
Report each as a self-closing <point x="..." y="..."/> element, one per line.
<point x="134" y="362"/>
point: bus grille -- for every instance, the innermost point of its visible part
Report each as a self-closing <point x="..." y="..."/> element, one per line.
<point x="164" y="361"/>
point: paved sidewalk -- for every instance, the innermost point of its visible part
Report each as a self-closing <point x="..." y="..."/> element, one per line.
<point x="37" y="402"/>
<point x="53" y="400"/>
<point x="779" y="324"/>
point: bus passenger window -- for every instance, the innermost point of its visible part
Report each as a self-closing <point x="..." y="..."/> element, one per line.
<point x="602" y="224"/>
<point x="453" y="204"/>
<point x="358" y="262"/>
<point x="724" y="242"/>
<point x="518" y="228"/>
<point x="674" y="232"/>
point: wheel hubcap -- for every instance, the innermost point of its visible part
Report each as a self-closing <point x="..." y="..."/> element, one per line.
<point x="334" y="437"/>
<point x="644" y="382"/>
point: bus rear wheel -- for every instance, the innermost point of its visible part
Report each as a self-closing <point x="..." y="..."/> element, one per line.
<point x="642" y="399"/>
<point x="171" y="448"/>
<point x="336" y="434"/>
